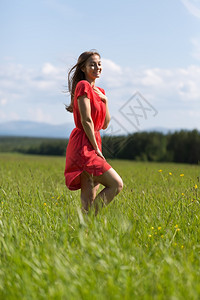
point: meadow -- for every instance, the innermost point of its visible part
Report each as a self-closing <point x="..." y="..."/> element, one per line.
<point x="144" y="245"/>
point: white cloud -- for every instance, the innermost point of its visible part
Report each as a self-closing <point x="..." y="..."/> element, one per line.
<point x="36" y="94"/>
<point x="32" y="93"/>
<point x="110" y="72"/>
<point x="39" y="115"/>
<point x="8" y="116"/>
<point x="111" y="66"/>
<point x="49" y="69"/>
<point x="172" y="92"/>
<point x="181" y="83"/>
<point x="18" y="82"/>
<point x="3" y="101"/>
<point x="152" y="77"/>
<point x="193" y="6"/>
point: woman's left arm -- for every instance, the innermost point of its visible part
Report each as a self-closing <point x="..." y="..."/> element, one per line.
<point x="105" y="100"/>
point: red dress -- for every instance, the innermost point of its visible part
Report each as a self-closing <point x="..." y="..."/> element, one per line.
<point x="80" y="154"/>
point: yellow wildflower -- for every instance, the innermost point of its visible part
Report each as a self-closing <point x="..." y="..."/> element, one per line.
<point x="195" y="186"/>
<point x="170" y="173"/>
<point x="182" y="194"/>
<point x="159" y="170"/>
<point x="176" y="226"/>
<point x="162" y="236"/>
<point x="45" y="203"/>
<point x="152" y="227"/>
<point x="181" y="175"/>
<point x="182" y="247"/>
<point x="150" y="235"/>
<point x="159" y="228"/>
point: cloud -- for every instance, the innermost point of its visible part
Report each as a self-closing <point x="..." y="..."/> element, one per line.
<point x="152" y="77"/>
<point x="193" y="6"/>
<point x="3" y="101"/>
<point x="111" y="71"/>
<point x="36" y="93"/>
<point x="182" y="83"/>
<point x="174" y="93"/>
<point x="18" y="82"/>
<point x="39" y="115"/>
<point x="8" y="116"/>
<point x="49" y="69"/>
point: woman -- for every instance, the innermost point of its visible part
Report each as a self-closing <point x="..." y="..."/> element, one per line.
<point x="86" y="168"/>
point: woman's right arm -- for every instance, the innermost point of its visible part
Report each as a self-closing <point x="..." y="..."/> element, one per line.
<point x="87" y="122"/>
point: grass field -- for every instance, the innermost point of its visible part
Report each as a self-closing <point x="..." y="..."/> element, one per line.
<point x="144" y="245"/>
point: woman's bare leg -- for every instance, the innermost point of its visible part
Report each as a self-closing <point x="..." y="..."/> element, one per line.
<point x="88" y="190"/>
<point x="113" y="185"/>
<point x="90" y="184"/>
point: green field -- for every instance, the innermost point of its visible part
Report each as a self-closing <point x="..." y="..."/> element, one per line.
<point x="144" y="245"/>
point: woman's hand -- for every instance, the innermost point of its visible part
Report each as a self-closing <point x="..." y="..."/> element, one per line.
<point x="98" y="152"/>
<point x="101" y="95"/>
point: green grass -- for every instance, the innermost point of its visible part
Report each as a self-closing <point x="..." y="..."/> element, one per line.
<point x="144" y="245"/>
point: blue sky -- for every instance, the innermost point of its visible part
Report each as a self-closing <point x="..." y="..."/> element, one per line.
<point x="148" y="46"/>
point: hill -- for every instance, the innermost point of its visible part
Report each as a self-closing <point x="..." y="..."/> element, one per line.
<point x="45" y="130"/>
<point x="35" y="129"/>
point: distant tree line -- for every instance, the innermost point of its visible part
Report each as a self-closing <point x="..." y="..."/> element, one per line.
<point x="33" y="145"/>
<point x="181" y="146"/>
<point x="50" y="147"/>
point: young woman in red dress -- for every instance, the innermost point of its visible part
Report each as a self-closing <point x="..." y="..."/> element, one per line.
<point x="86" y="167"/>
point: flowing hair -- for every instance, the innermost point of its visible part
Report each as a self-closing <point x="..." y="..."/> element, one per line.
<point x="76" y="74"/>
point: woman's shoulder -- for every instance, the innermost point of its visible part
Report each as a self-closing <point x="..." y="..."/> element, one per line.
<point x="83" y="83"/>
<point x="83" y="87"/>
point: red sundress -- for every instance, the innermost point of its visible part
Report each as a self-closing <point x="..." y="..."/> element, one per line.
<point x="80" y="154"/>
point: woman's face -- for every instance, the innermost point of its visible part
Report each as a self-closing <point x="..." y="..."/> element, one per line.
<point x="92" y="68"/>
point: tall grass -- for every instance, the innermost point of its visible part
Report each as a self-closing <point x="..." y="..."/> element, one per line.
<point x="144" y="245"/>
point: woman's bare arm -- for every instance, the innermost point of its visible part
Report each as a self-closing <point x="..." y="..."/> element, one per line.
<point x="87" y="122"/>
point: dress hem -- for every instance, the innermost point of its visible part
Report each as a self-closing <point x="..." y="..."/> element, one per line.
<point x="78" y="185"/>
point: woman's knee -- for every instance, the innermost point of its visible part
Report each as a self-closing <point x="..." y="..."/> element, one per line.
<point x="116" y="182"/>
<point x="110" y="179"/>
<point x="119" y="185"/>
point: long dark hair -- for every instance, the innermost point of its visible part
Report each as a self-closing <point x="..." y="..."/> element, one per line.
<point x="75" y="74"/>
